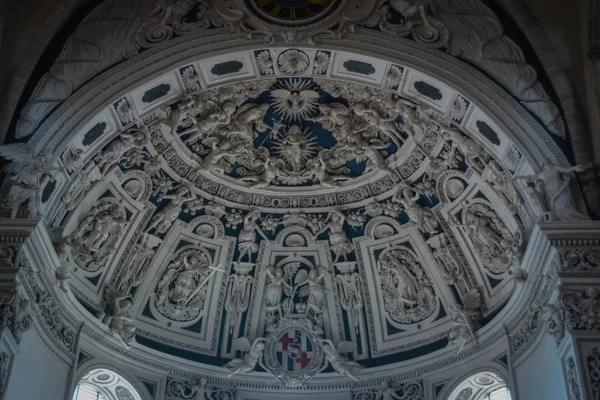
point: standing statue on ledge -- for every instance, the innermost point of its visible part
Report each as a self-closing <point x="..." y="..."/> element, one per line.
<point x="338" y="241"/>
<point x="553" y="183"/>
<point x="247" y="238"/>
<point x="118" y="317"/>
<point x="29" y="174"/>
<point x="462" y="315"/>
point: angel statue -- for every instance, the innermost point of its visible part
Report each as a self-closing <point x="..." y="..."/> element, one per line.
<point x="277" y="283"/>
<point x="29" y="173"/>
<point x="247" y="237"/>
<point x="312" y="287"/>
<point x="253" y="355"/>
<point x="553" y="183"/>
<point x="463" y="332"/>
<point x="338" y="241"/>
<point x="421" y="216"/>
<point x="118" y="316"/>
<point x="340" y="364"/>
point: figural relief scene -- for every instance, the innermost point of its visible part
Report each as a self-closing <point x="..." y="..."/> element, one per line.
<point x="283" y="211"/>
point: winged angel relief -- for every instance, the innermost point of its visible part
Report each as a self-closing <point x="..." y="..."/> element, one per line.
<point x="291" y="133"/>
<point x="29" y="173"/>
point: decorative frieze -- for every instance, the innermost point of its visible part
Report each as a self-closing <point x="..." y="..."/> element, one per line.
<point x="580" y="260"/>
<point x="201" y="389"/>
<point x="412" y="390"/>
<point x="593" y="369"/>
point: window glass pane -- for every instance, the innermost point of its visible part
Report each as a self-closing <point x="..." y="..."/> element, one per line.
<point x="85" y="392"/>
<point x="500" y="394"/>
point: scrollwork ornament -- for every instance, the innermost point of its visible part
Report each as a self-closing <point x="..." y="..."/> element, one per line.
<point x="14" y="312"/>
<point x="593" y="364"/>
<point x="200" y="390"/>
<point x="581" y="309"/>
<point x="5" y="367"/>
<point x="50" y="312"/>
<point x="7" y="295"/>
<point x="530" y="324"/>
<point x="573" y="381"/>
<point x="392" y="391"/>
<point x="7" y="254"/>
<point x="554" y="323"/>
<point x="579" y="260"/>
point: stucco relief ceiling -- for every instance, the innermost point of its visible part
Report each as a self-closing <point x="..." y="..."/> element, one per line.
<point x="288" y="209"/>
<point x="331" y="200"/>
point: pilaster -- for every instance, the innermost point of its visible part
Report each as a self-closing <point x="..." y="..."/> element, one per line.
<point x="572" y="312"/>
<point x="24" y="248"/>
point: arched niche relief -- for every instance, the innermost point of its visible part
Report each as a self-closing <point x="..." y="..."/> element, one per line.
<point x="476" y="385"/>
<point x="110" y="381"/>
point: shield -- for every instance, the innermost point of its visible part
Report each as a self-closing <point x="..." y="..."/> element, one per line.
<point x="294" y="350"/>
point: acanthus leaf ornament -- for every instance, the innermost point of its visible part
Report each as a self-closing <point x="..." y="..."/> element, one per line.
<point x="581" y="310"/>
<point x="412" y="390"/>
<point x="198" y="390"/>
<point x="554" y="323"/>
<point x="579" y="260"/>
<point x="573" y="380"/>
<point x="593" y="366"/>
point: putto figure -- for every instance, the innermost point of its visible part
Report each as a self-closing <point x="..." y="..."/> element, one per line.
<point x="253" y="355"/>
<point x="340" y="364"/>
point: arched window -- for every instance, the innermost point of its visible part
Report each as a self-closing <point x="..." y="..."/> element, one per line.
<point x="481" y="386"/>
<point x="103" y="384"/>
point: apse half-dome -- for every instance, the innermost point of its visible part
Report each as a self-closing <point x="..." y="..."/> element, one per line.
<point x="291" y="209"/>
